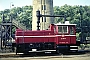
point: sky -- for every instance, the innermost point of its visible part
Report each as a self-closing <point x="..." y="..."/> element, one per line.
<point x="5" y="4"/>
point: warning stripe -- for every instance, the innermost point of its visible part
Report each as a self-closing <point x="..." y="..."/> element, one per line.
<point x="45" y="36"/>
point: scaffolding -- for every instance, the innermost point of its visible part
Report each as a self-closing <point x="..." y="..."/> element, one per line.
<point x="6" y="34"/>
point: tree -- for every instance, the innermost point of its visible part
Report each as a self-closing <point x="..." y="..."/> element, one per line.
<point x="24" y="14"/>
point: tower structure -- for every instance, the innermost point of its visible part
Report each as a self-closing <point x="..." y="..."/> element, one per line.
<point x="46" y="8"/>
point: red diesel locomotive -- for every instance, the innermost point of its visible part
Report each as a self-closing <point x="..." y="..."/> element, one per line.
<point x="58" y="38"/>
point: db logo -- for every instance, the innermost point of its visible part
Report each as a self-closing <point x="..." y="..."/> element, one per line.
<point x="63" y="35"/>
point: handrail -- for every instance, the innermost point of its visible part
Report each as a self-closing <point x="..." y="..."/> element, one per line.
<point x="18" y="24"/>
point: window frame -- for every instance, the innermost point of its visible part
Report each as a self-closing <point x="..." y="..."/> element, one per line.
<point x="63" y="32"/>
<point x="72" y="30"/>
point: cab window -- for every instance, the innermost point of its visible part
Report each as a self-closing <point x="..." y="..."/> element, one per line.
<point x="62" y="29"/>
<point x="71" y="31"/>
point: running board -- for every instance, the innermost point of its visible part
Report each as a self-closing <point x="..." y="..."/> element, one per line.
<point x="42" y="51"/>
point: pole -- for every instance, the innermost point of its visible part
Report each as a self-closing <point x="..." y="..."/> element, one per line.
<point x="11" y="4"/>
<point x="40" y="15"/>
<point x="81" y="23"/>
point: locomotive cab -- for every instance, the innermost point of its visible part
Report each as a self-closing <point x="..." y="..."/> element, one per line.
<point x="66" y="36"/>
<point x="66" y="28"/>
<point x="66" y="33"/>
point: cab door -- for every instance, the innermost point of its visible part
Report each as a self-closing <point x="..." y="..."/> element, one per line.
<point x="72" y="35"/>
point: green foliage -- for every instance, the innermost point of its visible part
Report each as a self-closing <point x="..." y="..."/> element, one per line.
<point x="74" y="14"/>
<point x="21" y="14"/>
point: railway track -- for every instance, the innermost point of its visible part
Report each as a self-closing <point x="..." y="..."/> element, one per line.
<point x="43" y="55"/>
<point x="34" y="57"/>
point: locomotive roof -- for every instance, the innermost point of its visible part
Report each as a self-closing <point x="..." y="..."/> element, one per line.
<point x="66" y="23"/>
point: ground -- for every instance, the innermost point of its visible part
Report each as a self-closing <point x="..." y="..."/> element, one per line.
<point x="81" y="55"/>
